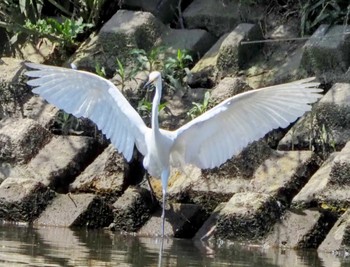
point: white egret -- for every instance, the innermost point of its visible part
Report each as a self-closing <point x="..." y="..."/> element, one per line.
<point x="206" y="142"/>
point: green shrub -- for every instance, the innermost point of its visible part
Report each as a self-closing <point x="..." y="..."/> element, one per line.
<point x="64" y="33"/>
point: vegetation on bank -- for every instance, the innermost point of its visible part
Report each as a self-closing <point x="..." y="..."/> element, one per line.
<point x="67" y="22"/>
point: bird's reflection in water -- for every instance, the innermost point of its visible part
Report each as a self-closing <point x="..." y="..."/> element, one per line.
<point x="52" y="246"/>
<point x="161" y="247"/>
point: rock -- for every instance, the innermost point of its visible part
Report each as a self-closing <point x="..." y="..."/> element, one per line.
<point x="329" y="187"/>
<point x="332" y="115"/>
<point x="57" y="164"/>
<point x="5" y="170"/>
<point x="284" y="174"/>
<point x="195" y="41"/>
<point x="105" y="175"/>
<point x="279" y="61"/>
<point x="21" y="140"/>
<point x="132" y="209"/>
<point x="300" y="229"/>
<point x="124" y="31"/>
<point x="13" y="90"/>
<point x="39" y="110"/>
<point x="326" y="53"/>
<point x="210" y="187"/>
<point x="247" y="216"/>
<point x="340" y="168"/>
<point x="227" y="87"/>
<point x="117" y="38"/>
<point x="181" y="221"/>
<point x="37" y="52"/>
<point x="287" y="70"/>
<point x="218" y="17"/>
<point x="327" y="127"/>
<point x="23" y="200"/>
<point x="315" y="186"/>
<point x="164" y="10"/>
<point x="206" y="190"/>
<point x="203" y="79"/>
<point x="227" y="55"/>
<point x="62" y="159"/>
<point x="141" y="27"/>
<point x="245" y="163"/>
<point x="76" y="210"/>
<point x="232" y="55"/>
<point x="337" y="240"/>
<point x="11" y="70"/>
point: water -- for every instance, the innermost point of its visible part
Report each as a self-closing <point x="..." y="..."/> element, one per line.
<point x="27" y="246"/>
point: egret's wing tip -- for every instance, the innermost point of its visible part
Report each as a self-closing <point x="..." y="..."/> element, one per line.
<point x="32" y="65"/>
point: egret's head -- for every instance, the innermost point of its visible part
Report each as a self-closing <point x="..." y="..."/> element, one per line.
<point x="153" y="78"/>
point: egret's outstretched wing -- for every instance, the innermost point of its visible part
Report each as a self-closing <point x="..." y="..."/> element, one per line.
<point x="217" y="135"/>
<point x="84" y="94"/>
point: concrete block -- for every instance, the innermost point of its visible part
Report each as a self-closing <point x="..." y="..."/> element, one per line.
<point x="124" y="31"/>
<point x="329" y="187"/>
<point x="227" y="55"/>
<point x="105" y="175"/>
<point x="132" y="209"/>
<point x="21" y="140"/>
<point x="13" y="90"/>
<point x="208" y="188"/>
<point x="247" y="216"/>
<point x="195" y="41"/>
<point x="219" y="17"/>
<point x="23" y="200"/>
<point x="326" y="128"/>
<point x="278" y="62"/>
<point x="337" y="240"/>
<point x="181" y="221"/>
<point x="57" y="164"/>
<point x="226" y="88"/>
<point x="300" y="229"/>
<point x="164" y="10"/>
<point x="76" y="210"/>
<point x="284" y="174"/>
<point x="39" y="110"/>
<point x="327" y="51"/>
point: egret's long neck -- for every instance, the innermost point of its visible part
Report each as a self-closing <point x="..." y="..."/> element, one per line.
<point x="155" y="105"/>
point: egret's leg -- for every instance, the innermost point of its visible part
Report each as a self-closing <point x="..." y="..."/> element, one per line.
<point x="163" y="212"/>
<point x="165" y="177"/>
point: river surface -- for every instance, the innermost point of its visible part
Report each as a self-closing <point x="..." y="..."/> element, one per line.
<point x="28" y="246"/>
